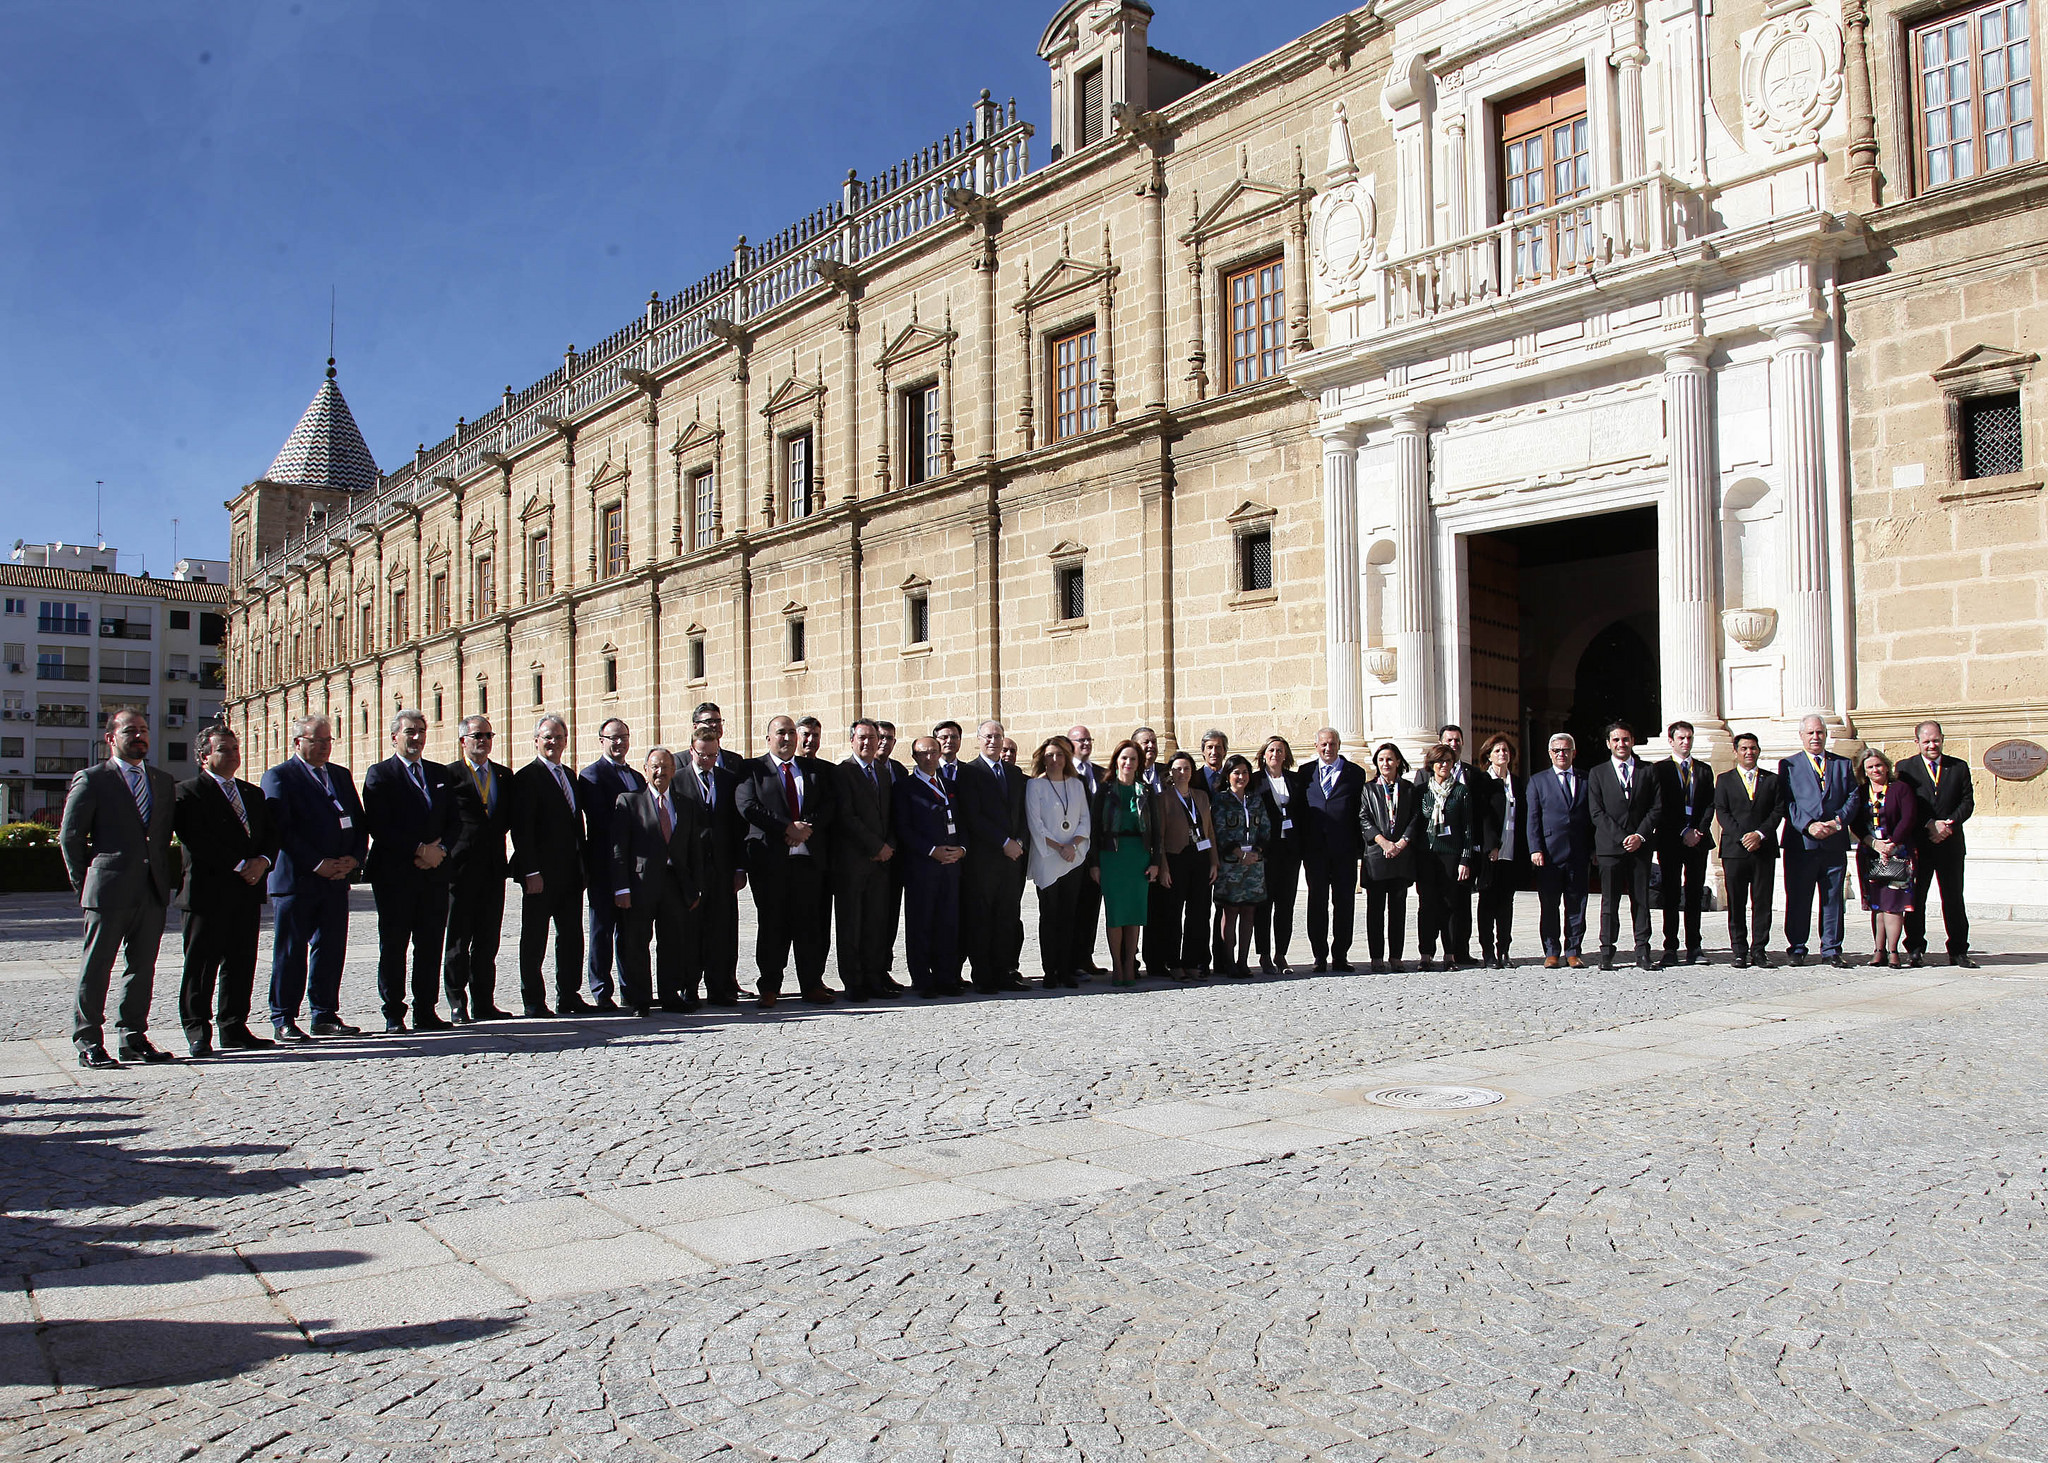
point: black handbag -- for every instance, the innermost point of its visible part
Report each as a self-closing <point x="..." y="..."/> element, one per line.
<point x="1894" y="870"/>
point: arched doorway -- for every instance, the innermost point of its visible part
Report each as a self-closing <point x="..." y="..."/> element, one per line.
<point x="1617" y="680"/>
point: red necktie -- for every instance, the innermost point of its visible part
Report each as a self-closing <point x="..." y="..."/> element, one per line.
<point x="789" y="790"/>
<point x="661" y="808"/>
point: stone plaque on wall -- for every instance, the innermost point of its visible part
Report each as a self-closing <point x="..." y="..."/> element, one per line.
<point x="1550" y="445"/>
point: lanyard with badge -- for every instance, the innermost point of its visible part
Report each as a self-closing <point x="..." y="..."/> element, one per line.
<point x="1279" y="787"/>
<point x="946" y="802"/>
<point x="327" y="791"/>
<point x="1194" y="823"/>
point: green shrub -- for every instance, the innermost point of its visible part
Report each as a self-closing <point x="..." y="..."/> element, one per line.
<point x="28" y="835"/>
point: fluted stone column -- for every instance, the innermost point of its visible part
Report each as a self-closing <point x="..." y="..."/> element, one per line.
<point x="1414" y="629"/>
<point x="1344" y="636"/>
<point x="1689" y="630"/>
<point x="1801" y="433"/>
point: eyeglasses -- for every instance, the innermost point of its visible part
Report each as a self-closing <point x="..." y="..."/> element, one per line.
<point x="480" y="736"/>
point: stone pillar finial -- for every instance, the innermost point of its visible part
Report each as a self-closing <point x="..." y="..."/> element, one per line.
<point x="1342" y="164"/>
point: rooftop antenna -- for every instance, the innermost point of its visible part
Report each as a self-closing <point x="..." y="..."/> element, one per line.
<point x="174" y="540"/>
<point x="330" y="322"/>
<point x="98" y="486"/>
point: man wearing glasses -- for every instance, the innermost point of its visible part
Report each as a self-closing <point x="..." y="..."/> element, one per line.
<point x="322" y="840"/>
<point x="603" y="781"/>
<point x="476" y="861"/>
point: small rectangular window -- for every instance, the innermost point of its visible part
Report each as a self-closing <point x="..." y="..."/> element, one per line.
<point x="921" y="462"/>
<point x="614" y="540"/>
<point x="17" y="606"/>
<point x="796" y="640"/>
<point x="611" y="675"/>
<point x="703" y="503"/>
<point x="486" y="584"/>
<point x="1070" y="592"/>
<point x="1973" y="91"/>
<point x="1088" y="113"/>
<point x="1255" y="560"/>
<point x="11" y="747"/>
<point x="366" y="640"/>
<point x="437" y="602"/>
<point x="538" y="699"/>
<point x="398" y="622"/>
<point x="1991" y="435"/>
<point x="181" y="619"/>
<point x="917" y="618"/>
<point x="540" y="569"/>
<point x="798" y="479"/>
<point x="483" y="698"/>
<point x="212" y="628"/>
<point x="1073" y="383"/>
<point x="437" y="708"/>
<point x="696" y="657"/>
<point x="1258" y="322"/>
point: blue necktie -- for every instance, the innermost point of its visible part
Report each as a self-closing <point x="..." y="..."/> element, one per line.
<point x="138" y="784"/>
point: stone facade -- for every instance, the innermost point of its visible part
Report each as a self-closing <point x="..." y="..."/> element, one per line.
<point x="1657" y="444"/>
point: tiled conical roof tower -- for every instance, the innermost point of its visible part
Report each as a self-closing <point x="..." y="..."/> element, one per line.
<point x="326" y="449"/>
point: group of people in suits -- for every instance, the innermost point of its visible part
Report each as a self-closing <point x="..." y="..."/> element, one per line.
<point x="1189" y="865"/>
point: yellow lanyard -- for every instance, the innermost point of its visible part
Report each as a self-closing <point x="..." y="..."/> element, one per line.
<point x="1748" y="783"/>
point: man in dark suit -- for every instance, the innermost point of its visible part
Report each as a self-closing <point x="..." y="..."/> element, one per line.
<point x="947" y="735"/>
<point x="708" y="716"/>
<point x="1451" y="735"/>
<point x="1088" y="907"/>
<point x="863" y="846"/>
<point x="1946" y="799"/>
<point x="1561" y="851"/>
<point x="410" y="805"/>
<point x="116" y="838"/>
<point x="897" y="774"/>
<point x="1818" y="787"/>
<point x="714" y="933"/>
<point x="223" y="825"/>
<point x="990" y="796"/>
<point x="1626" y="808"/>
<point x="657" y="880"/>
<point x="547" y="859"/>
<point x="1162" y="915"/>
<point x="787" y="807"/>
<point x="476" y="875"/>
<point x="1685" y="840"/>
<point x="322" y="838"/>
<point x="1332" y="843"/>
<point x="927" y="831"/>
<point x="601" y="783"/>
<point x="1749" y="804"/>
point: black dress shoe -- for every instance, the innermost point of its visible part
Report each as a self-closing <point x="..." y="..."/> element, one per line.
<point x="335" y="1028"/>
<point x="242" y="1039"/>
<point x="820" y="997"/>
<point x="458" y="1013"/>
<point x="1343" y="967"/>
<point x="1796" y="958"/>
<point x="489" y="1013"/>
<point x="138" y="1049"/>
<point x="674" y="1008"/>
<point x="391" y="1028"/>
<point x="1607" y="962"/>
<point x="605" y="1003"/>
<point x="95" y="1057"/>
<point x="646" y="1012"/>
<point x="1914" y="962"/>
<point x="534" y="1013"/>
<point x="289" y="1034"/>
<point x="1759" y="962"/>
<point x="930" y="995"/>
<point x="573" y="1006"/>
<point x="724" y="1001"/>
<point x="428" y="1021"/>
<point x="1841" y="962"/>
<point x="1963" y="960"/>
<point x="199" y="1042"/>
<point x="1741" y="962"/>
<point x="1695" y="957"/>
<point x="1322" y="966"/>
<point x="895" y="992"/>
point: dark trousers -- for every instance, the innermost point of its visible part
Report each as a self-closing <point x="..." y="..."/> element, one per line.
<point x="135" y="933"/>
<point x="1561" y="900"/>
<point x="931" y="915"/>
<point x="562" y="907"/>
<point x="1629" y="874"/>
<point x="220" y="963"/>
<point x="1809" y="871"/>
<point x="1059" y="911"/>
<point x="476" y="917"/>
<point x="795" y="914"/>
<point x="1189" y="900"/>
<point x="1940" y="862"/>
<point x="991" y="914"/>
<point x="1274" y="927"/>
<point x="714" y="944"/>
<point x="309" y="941"/>
<point x="607" y="939"/>
<point x="657" y="913"/>
<point x="860" y="911"/>
<point x="1161" y="939"/>
<point x="412" y="920"/>
<point x="894" y="918"/>
<point x="1443" y="906"/>
<point x="1386" y="918"/>
<point x="1496" y="908"/>
<point x="1332" y="907"/>
<point x="1682" y="875"/>
<point x="1750" y="882"/>
<point x="1087" y="920"/>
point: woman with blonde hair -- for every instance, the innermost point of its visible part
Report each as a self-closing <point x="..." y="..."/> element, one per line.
<point x="1056" y="812"/>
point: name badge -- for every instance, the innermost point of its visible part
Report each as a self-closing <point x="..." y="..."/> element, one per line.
<point x="1286" y="825"/>
<point x="1201" y="845"/>
<point x="347" y="821"/>
<point x="951" y="831"/>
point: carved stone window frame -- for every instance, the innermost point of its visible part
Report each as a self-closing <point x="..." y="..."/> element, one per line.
<point x="1246" y="520"/>
<point x="1980" y="371"/>
<point x="903" y="364"/>
<point x="795" y="613"/>
<point x="914" y="587"/>
<point x="698" y="449"/>
<point x="794" y="408"/>
<point x="1246" y="203"/>
<point x="696" y="642"/>
<point x="1067" y="278"/>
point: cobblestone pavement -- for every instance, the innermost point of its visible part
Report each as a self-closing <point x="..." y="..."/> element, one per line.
<point x="1731" y="1218"/>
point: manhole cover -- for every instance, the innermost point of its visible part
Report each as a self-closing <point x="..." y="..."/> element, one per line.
<point x="1435" y="1099"/>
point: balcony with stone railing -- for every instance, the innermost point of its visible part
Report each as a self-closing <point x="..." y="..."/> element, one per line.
<point x="872" y="216"/>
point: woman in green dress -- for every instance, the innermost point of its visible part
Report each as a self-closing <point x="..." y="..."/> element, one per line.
<point x="1122" y="856"/>
<point x="1243" y="835"/>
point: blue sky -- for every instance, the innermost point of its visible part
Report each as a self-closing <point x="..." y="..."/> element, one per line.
<point x="481" y="184"/>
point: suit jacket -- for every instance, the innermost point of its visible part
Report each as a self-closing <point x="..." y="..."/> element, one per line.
<point x="401" y="820"/>
<point x="216" y="843"/>
<point x="720" y="829"/>
<point x="1286" y="840"/>
<point x="1213" y="783"/>
<point x="597" y="791"/>
<point x="1560" y="827"/>
<point x="1171" y="830"/>
<point x="1737" y="813"/>
<point x="480" y="826"/>
<point x="1490" y="805"/>
<point x="1616" y="814"/>
<point x="547" y="832"/>
<point x="114" y="862"/>
<point x="1953" y="799"/>
<point x="922" y="821"/>
<point x="1373" y="823"/>
<point x="312" y="827"/>
<point x="1330" y="828"/>
<point x="764" y="806"/>
<point x="1895" y="820"/>
<point x="1697" y="788"/>
<point x="1823" y="799"/>
<point x="646" y="865"/>
<point x="863" y="822"/>
<point x="991" y="808"/>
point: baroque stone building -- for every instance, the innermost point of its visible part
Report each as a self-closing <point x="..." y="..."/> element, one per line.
<point x="1515" y="364"/>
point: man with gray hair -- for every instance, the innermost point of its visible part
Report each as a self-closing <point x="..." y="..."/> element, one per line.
<point x="224" y="827"/>
<point x="410" y="805"/>
<point x="547" y="860"/>
<point x="322" y="838"/>
<point x="1819" y="787"/>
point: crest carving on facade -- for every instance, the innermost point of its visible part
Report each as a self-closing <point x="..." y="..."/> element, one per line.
<point x="1792" y="78"/>
<point x="1344" y="220"/>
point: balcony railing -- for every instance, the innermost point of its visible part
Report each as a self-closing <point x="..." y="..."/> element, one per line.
<point x="1566" y="241"/>
<point x="59" y="766"/>
<point x="123" y="675"/>
<point x="47" y="672"/>
<point x="125" y="629"/>
<point x="64" y="625"/>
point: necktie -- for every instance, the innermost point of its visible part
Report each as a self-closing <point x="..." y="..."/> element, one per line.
<point x="668" y="826"/>
<point x="874" y="779"/>
<point x="138" y="783"/>
<point x="1749" y="784"/>
<point x="1685" y="782"/>
<point x="1566" y="778"/>
<point x="1934" y="770"/>
<point x="1627" y="781"/>
<point x="419" y="780"/>
<point x="326" y="782"/>
<point x="562" y="781"/>
<point x="704" y="781"/>
<point x="1329" y="778"/>
<point x="947" y="771"/>
<point x="235" y="801"/>
<point x="789" y="790"/>
<point x="481" y="776"/>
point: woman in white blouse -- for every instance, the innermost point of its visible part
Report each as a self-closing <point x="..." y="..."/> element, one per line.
<point x="1056" y="811"/>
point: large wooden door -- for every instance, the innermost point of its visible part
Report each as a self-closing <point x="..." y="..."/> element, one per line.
<point x="1493" y="567"/>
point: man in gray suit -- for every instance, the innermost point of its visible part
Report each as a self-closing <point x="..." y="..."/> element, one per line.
<point x="117" y="851"/>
